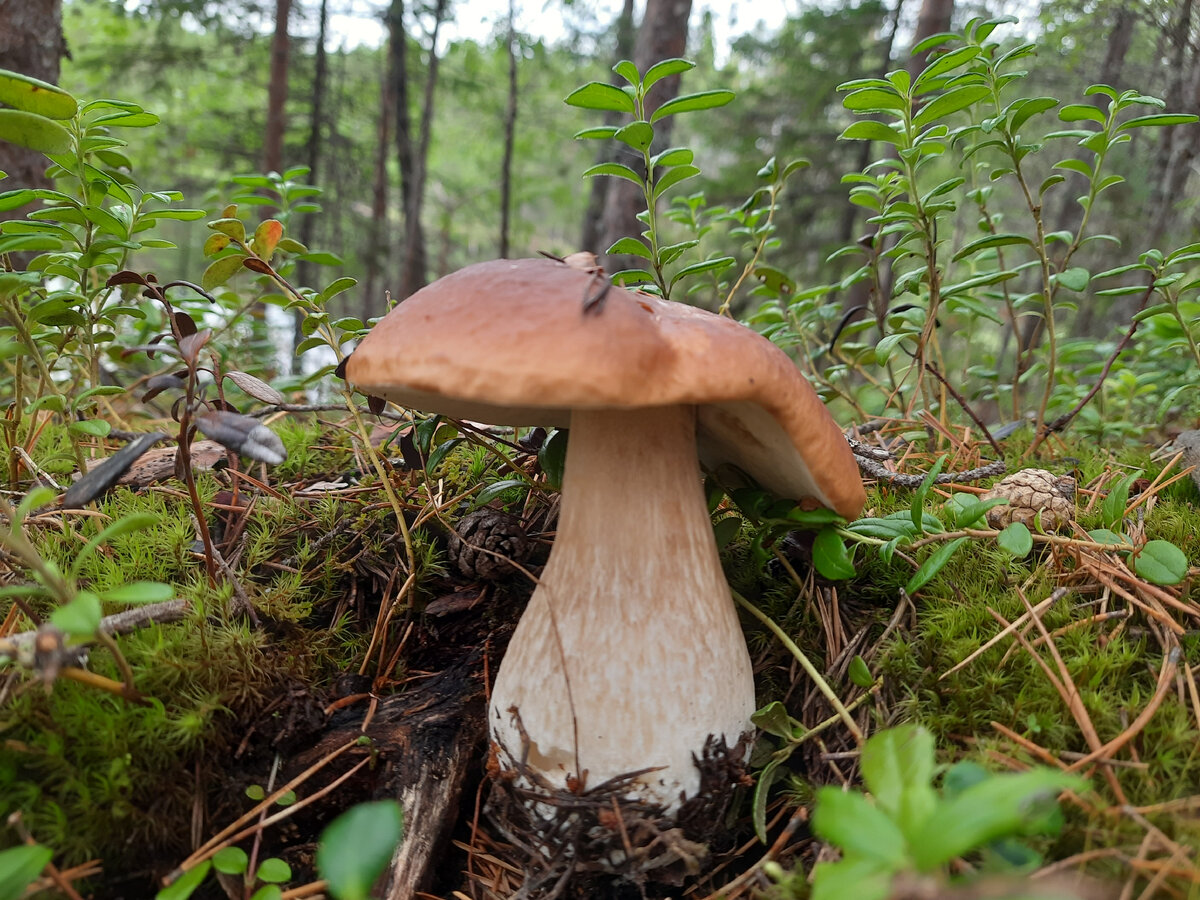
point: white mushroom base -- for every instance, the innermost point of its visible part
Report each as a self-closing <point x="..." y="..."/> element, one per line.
<point x="630" y="655"/>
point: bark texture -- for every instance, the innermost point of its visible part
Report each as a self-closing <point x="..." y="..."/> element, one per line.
<point x="593" y="217"/>
<point x="662" y="35"/>
<point x="31" y="42"/>
<point x="510" y="131"/>
<point x="277" y="89"/>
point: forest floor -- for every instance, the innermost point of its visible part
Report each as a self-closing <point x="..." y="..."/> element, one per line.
<point x="326" y="626"/>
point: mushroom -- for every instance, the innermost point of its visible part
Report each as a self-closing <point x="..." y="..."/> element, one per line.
<point x="630" y="656"/>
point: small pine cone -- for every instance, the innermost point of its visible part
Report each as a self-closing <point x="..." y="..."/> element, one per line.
<point x="484" y="542"/>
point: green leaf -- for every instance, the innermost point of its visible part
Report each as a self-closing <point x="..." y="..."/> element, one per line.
<point x="1074" y="279"/>
<point x="1081" y="112"/>
<point x="673" y="156"/>
<point x="672" y="177"/>
<point x="617" y="170"/>
<point x="692" y="103"/>
<point x="1024" y="110"/>
<point x="1015" y="540"/>
<point x="26" y="129"/>
<point x="830" y="556"/>
<point x="231" y="861"/>
<point x="917" y="506"/>
<point x="860" y="673"/>
<point x="717" y="264"/>
<point x="628" y="71"/>
<point x="233" y="228"/>
<point x="852" y="877"/>
<point x="337" y="287"/>
<point x="552" y="456"/>
<point x="90" y="428"/>
<point x="994" y="808"/>
<point x="848" y="820"/>
<point x="989" y="241"/>
<point x="762" y="790"/>
<point x="1160" y="119"/>
<point x="356" y="847"/>
<point x="270" y="891"/>
<point x="774" y="719"/>
<point x="871" y="131"/>
<point x="898" y="766"/>
<point x="598" y="95"/>
<point x="274" y="870"/>
<point x="139" y="592"/>
<point x="13" y="199"/>
<point x="600" y="131"/>
<point x="80" y="617"/>
<point x="664" y="69"/>
<point x="185" y="885"/>
<point x="1161" y="562"/>
<point x="952" y="101"/>
<point x="1112" y="510"/>
<point x="36" y="96"/>
<point x="19" y="867"/>
<point x="725" y="530"/>
<point x="496" y="488"/>
<point x="933" y="564"/>
<point x="946" y="62"/>
<point x="639" y="135"/>
<point x="221" y="270"/>
<point x="629" y="246"/>
<point x="874" y="100"/>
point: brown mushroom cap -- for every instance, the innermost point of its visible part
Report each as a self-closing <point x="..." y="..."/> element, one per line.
<point x="507" y="342"/>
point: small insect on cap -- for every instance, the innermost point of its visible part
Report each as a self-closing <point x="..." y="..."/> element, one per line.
<point x="511" y="342"/>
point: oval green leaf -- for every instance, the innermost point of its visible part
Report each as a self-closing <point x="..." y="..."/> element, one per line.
<point x="598" y="95"/>
<point x="1015" y="540"/>
<point x="1161" y="562"/>
<point x="692" y="103"/>
<point x="34" y="132"/>
<point x="35" y="96"/>
<point x="356" y="847"/>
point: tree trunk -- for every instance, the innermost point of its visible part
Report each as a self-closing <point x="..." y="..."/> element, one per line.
<point x="31" y="42"/>
<point x="313" y="155"/>
<point x="662" y="35"/>
<point x="591" y="235"/>
<point x="935" y="17"/>
<point x="850" y="213"/>
<point x="277" y="90"/>
<point x="413" y="273"/>
<point x="1174" y="144"/>
<point x="510" y="129"/>
<point x="372" y="300"/>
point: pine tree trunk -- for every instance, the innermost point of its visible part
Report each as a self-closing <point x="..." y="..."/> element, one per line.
<point x="510" y="130"/>
<point x="313" y="155"/>
<point x="277" y="90"/>
<point x="31" y="42"/>
<point x="662" y="35"/>
<point x="413" y="275"/>
<point x="593" y="217"/>
<point x="372" y="296"/>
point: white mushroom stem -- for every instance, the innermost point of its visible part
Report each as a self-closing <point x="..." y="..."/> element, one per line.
<point x="630" y="654"/>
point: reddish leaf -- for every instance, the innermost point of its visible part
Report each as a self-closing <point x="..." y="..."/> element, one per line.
<point x="256" y="388"/>
<point x="185" y="323"/>
<point x="190" y="346"/>
<point x="266" y="237"/>
<point x="125" y="277"/>
<point x="256" y="265"/>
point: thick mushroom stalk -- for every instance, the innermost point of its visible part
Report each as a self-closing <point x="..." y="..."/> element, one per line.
<point x="630" y="654"/>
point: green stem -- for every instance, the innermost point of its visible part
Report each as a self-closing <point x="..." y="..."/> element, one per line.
<point x="808" y="667"/>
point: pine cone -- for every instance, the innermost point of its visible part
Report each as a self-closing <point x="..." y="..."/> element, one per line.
<point x="484" y="542"/>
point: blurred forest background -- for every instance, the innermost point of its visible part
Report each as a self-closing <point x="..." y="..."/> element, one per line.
<point x="437" y="132"/>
